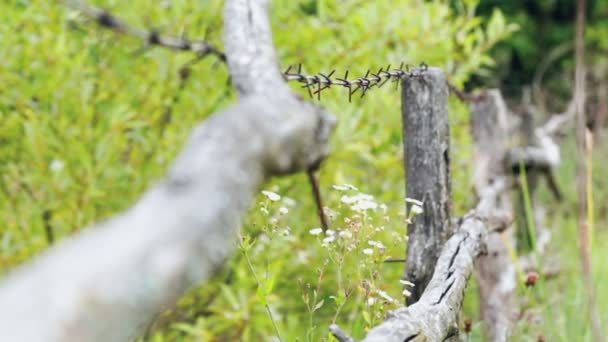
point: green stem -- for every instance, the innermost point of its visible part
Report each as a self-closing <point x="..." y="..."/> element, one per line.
<point x="257" y="281"/>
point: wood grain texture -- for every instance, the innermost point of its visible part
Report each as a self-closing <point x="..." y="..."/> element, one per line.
<point x="426" y="138"/>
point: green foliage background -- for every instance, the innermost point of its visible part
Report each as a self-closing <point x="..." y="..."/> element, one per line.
<point x="89" y="120"/>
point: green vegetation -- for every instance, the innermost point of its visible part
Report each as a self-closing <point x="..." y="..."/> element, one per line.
<point x="90" y="120"/>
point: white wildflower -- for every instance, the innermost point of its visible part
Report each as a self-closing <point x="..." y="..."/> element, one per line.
<point x="56" y="165"/>
<point x="406" y="293"/>
<point x="413" y="201"/>
<point x="330" y="232"/>
<point x="283" y="210"/>
<point x="416" y="209"/>
<point x="406" y="283"/>
<point x="360" y="202"/>
<point x="329" y="239"/>
<point x="345" y="234"/>
<point x="376" y="244"/>
<point x="371" y="301"/>
<point x="368" y="251"/>
<point x="316" y="231"/>
<point x="273" y="196"/>
<point x="386" y="296"/>
<point x="273" y="221"/>
<point x="364" y="205"/>
<point x="264" y="210"/>
<point x="348" y="199"/>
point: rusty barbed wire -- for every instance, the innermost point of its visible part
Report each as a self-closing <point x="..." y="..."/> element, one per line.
<point x="378" y="79"/>
<point x="150" y="37"/>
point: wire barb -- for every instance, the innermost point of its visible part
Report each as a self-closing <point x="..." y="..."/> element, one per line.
<point x="322" y="81"/>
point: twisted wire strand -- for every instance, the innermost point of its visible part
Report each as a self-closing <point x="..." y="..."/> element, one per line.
<point x="322" y="81"/>
<point x="150" y="37"/>
<point x="315" y="84"/>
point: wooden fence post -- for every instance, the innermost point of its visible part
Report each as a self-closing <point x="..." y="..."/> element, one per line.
<point x="426" y="138"/>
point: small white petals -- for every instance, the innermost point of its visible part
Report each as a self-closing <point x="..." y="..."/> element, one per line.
<point x="329" y="239"/>
<point x="368" y="251"/>
<point x="348" y="199"/>
<point x="416" y="209"/>
<point x="406" y="293"/>
<point x="360" y="202"/>
<point x="364" y="205"/>
<point x="56" y="165"/>
<point x="406" y="283"/>
<point x="264" y="210"/>
<point x="330" y="232"/>
<point x="345" y="234"/>
<point x="283" y="210"/>
<point x="316" y="231"/>
<point x="413" y="201"/>
<point x="273" y="221"/>
<point x="385" y="296"/>
<point x="371" y="301"/>
<point x="376" y="244"/>
<point x="273" y="196"/>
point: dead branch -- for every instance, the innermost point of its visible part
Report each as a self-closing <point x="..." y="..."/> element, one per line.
<point x="125" y="270"/>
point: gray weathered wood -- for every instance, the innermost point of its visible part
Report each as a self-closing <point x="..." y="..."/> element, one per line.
<point x="426" y="136"/>
<point x="108" y="282"/>
<point x="495" y="270"/>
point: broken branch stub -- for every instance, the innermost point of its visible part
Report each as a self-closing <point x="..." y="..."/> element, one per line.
<point x="302" y="128"/>
<point x="124" y="271"/>
<point x="426" y="137"/>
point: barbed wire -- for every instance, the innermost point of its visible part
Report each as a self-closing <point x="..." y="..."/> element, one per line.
<point x="315" y="84"/>
<point x="202" y="48"/>
<point x="150" y="37"/>
<point x="363" y="84"/>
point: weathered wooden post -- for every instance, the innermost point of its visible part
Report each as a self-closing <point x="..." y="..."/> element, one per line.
<point x="426" y="138"/>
